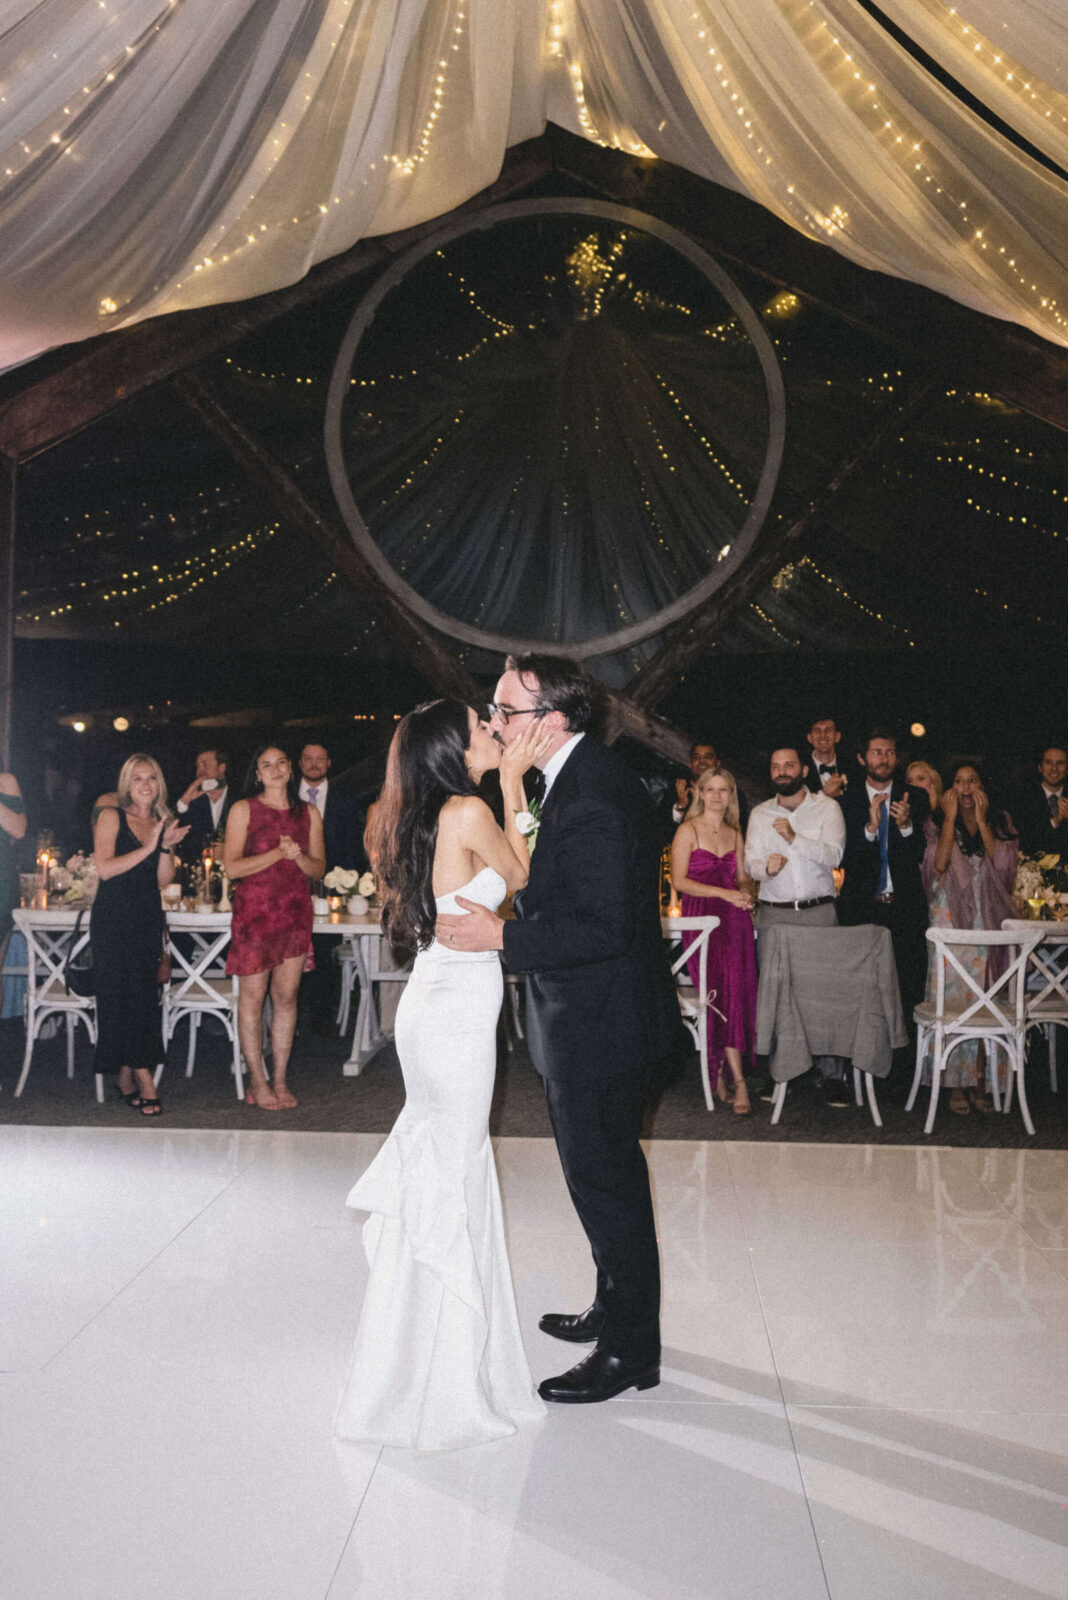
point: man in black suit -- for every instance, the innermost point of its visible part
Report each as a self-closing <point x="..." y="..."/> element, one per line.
<point x="884" y="848"/>
<point x="343" y="844"/>
<point x="342" y="818"/>
<point x="602" y="1011"/>
<point x="825" y="773"/>
<point x="1041" y="810"/>
<point x="205" y="805"/>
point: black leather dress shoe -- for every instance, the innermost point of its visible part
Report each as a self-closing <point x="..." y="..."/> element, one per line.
<point x="598" y="1377"/>
<point x="583" y="1329"/>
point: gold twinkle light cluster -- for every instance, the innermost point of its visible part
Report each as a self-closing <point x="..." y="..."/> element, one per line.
<point x="895" y="133"/>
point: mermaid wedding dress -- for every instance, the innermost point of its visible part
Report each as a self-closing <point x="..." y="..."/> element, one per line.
<point x="438" y="1360"/>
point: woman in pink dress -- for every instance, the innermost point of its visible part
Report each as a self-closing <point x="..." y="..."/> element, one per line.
<point x="708" y="870"/>
<point x="274" y="847"/>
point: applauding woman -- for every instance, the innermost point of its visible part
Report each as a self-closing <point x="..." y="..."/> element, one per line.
<point x="969" y="869"/>
<point x="274" y="847"/>
<point x="133" y="845"/>
<point x="708" y="870"/>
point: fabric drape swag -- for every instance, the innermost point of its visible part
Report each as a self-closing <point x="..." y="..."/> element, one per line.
<point x="162" y="154"/>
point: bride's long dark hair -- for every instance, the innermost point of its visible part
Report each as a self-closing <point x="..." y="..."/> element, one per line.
<point x="425" y="768"/>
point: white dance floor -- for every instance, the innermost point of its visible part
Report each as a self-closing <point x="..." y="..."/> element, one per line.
<point x="865" y="1388"/>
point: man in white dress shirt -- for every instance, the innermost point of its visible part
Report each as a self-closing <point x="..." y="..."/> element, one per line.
<point x="793" y="844"/>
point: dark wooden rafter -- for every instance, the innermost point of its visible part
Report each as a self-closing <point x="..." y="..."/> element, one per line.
<point x="106" y="371"/>
<point x="787" y="542"/>
<point x="429" y="654"/>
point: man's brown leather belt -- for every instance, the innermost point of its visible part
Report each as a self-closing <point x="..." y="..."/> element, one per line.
<point x="885" y="899"/>
<point x="800" y="905"/>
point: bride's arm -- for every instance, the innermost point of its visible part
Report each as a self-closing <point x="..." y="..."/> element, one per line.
<point x="480" y="834"/>
<point x="517" y="759"/>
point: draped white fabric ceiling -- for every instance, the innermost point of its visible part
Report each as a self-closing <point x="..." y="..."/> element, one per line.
<point x="162" y="154"/>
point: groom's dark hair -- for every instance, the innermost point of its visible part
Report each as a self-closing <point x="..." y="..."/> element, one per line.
<point x="561" y="685"/>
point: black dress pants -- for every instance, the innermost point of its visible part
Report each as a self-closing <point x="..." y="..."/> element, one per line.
<point x="597" y="1123"/>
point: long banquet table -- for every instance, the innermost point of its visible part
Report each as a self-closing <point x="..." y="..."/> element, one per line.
<point x="361" y="934"/>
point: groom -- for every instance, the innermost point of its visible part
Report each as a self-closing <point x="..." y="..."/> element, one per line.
<point x="601" y="1009"/>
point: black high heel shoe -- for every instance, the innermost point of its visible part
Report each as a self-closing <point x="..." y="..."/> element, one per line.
<point x="133" y="1099"/>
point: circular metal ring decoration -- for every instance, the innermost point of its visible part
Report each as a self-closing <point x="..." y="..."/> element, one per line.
<point x="664" y="616"/>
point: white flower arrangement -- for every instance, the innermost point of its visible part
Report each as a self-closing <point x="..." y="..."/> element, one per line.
<point x="78" y="880"/>
<point x="341" y="880"/>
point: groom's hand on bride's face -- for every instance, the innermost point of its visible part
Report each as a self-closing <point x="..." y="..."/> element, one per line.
<point x="479" y="930"/>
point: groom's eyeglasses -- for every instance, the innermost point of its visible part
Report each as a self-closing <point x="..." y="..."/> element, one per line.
<point x="506" y="713"/>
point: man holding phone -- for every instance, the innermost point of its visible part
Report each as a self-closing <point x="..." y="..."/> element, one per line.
<point x="205" y="804"/>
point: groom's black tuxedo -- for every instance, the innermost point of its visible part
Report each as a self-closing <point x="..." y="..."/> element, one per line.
<point x="601" y="1013"/>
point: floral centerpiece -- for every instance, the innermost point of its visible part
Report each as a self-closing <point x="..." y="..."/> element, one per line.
<point x="359" y="888"/>
<point x="1042" y="882"/>
<point x="77" y="881"/>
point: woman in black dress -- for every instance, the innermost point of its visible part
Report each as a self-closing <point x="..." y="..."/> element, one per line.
<point x="133" y="843"/>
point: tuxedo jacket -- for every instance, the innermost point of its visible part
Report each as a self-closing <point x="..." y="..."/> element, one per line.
<point x="343" y="824"/>
<point x="861" y="857"/>
<point x="202" y="829"/>
<point x="600" y="999"/>
<point x="1038" y="836"/>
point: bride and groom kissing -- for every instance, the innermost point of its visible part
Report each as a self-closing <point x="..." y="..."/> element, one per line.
<point x="438" y="1360"/>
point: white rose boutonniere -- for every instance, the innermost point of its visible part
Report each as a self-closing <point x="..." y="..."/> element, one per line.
<point x="528" y="822"/>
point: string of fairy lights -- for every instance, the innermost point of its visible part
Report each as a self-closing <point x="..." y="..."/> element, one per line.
<point x="898" y="137"/>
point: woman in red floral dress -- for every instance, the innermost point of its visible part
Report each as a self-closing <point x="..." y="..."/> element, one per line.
<point x="274" y="847"/>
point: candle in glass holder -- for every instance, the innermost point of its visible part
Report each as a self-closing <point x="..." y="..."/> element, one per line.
<point x="334" y="902"/>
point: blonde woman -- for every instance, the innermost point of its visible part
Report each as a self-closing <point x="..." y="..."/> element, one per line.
<point x="921" y="775"/>
<point x="708" y="871"/>
<point x="133" y="843"/>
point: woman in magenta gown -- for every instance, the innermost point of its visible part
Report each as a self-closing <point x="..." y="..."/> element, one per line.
<point x="274" y="846"/>
<point x="708" y="870"/>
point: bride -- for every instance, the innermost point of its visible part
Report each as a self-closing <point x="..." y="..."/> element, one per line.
<point x="439" y="1360"/>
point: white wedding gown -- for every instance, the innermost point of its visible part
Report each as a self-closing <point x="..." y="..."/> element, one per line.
<point x="439" y="1360"/>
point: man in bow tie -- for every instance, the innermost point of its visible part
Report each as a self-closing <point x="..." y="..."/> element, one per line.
<point x="884" y="848"/>
<point x="822" y="760"/>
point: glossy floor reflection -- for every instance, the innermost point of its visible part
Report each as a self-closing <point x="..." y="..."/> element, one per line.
<point x="864" y="1396"/>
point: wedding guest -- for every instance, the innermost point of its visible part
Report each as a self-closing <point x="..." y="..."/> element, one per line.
<point x="703" y="758"/>
<point x="1042" y="808"/>
<point x="12" y="829"/>
<point x="969" y="868"/>
<point x="339" y="808"/>
<point x="274" y="847"/>
<point x="708" y="870"/>
<point x="884" y="848"/>
<point x="205" y="804"/>
<point x="921" y="775"/>
<point x="792" y="846"/>
<point x="824" y="773"/>
<point x="133" y="845"/>
<point x="343" y="847"/>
